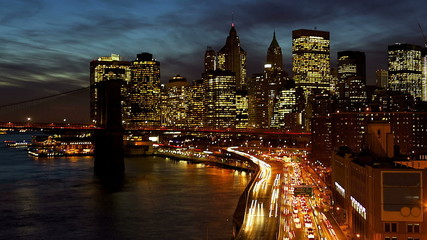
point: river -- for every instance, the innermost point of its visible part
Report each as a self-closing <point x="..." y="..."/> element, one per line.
<point x="59" y="198"/>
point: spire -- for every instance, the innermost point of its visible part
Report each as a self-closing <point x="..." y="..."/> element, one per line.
<point x="274" y="54"/>
<point x="232" y="19"/>
<point x="274" y="43"/>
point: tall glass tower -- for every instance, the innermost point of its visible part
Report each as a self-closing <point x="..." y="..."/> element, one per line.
<point x="144" y="91"/>
<point x="311" y="59"/>
<point x="405" y="69"/>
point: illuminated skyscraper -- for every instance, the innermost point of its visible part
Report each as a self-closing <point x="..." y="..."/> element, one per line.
<point x="352" y="80"/>
<point x="424" y="71"/>
<point x="144" y="91"/>
<point x="220" y="99"/>
<point x="104" y="69"/>
<point x="311" y="59"/>
<point x="242" y="109"/>
<point x="232" y="57"/>
<point x="175" y="109"/>
<point x="196" y="104"/>
<point x="405" y="69"/>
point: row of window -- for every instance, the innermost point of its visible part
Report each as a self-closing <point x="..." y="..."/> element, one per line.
<point x="395" y="238"/>
<point x="411" y="228"/>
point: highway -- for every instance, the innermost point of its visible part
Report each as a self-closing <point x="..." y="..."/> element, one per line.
<point x="278" y="209"/>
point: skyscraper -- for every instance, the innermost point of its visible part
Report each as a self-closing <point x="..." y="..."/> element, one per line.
<point x="144" y="91"/>
<point x="210" y="60"/>
<point x="381" y="78"/>
<point x="196" y="104"/>
<point x="351" y="80"/>
<point x="175" y="109"/>
<point x="220" y="99"/>
<point x="104" y="69"/>
<point x="265" y="87"/>
<point x="424" y="72"/>
<point x="405" y="69"/>
<point x="274" y="55"/>
<point x="311" y="59"/>
<point x="232" y="57"/>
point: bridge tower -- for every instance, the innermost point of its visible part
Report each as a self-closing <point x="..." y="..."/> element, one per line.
<point x="109" y="152"/>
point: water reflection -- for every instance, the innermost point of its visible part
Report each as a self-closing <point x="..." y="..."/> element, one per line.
<point x="160" y="199"/>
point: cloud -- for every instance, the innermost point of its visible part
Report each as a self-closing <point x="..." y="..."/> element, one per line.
<point x="46" y="46"/>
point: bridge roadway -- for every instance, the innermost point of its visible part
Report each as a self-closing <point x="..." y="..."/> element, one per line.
<point x="64" y="125"/>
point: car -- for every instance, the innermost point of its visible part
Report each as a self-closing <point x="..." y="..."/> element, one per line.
<point x="310" y="233"/>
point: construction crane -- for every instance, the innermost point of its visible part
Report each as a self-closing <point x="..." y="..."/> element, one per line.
<point x="424" y="36"/>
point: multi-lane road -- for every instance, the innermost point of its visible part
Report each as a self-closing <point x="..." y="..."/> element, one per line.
<point x="275" y="210"/>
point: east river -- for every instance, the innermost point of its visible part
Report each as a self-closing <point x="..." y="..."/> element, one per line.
<point x="59" y="198"/>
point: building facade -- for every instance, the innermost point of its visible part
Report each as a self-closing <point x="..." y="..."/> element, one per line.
<point x="405" y="69"/>
<point x="232" y="57"/>
<point x="144" y="92"/>
<point x="220" y="99"/>
<point x="311" y="59"/>
<point x="104" y="69"/>
<point x="351" y="81"/>
<point x="374" y="195"/>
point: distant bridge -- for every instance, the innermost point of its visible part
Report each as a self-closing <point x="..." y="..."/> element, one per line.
<point x="74" y="126"/>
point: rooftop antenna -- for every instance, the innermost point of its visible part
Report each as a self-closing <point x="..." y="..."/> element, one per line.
<point x="424" y="36"/>
<point x="232" y="19"/>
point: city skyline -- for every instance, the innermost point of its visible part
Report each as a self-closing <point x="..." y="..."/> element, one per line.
<point x="60" y="39"/>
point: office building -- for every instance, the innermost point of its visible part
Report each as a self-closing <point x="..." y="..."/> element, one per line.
<point x="242" y="116"/>
<point x="258" y="102"/>
<point x="424" y="73"/>
<point x="405" y="69"/>
<point x="220" y="99"/>
<point x="210" y="60"/>
<point x="104" y="69"/>
<point x="196" y="104"/>
<point x="376" y="196"/>
<point x="333" y="131"/>
<point x="264" y="88"/>
<point x="381" y="78"/>
<point x="175" y="108"/>
<point x="286" y="111"/>
<point x="351" y="81"/>
<point x="232" y="58"/>
<point x="144" y="92"/>
<point x="311" y="59"/>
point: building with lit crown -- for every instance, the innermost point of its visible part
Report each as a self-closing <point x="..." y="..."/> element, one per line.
<point x="104" y="69"/>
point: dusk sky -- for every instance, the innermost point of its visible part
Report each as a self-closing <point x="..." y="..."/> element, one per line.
<point x="46" y="46"/>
